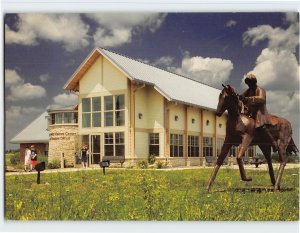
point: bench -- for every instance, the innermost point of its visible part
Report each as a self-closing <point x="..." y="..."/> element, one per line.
<point x="210" y="160"/>
<point x="107" y="160"/>
<point x="256" y="162"/>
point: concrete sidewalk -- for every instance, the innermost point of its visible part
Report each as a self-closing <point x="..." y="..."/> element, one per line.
<point x="247" y="167"/>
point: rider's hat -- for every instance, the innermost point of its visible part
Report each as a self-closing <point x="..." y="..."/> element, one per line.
<point x="250" y="78"/>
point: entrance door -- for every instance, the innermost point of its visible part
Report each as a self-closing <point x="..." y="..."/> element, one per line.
<point x="95" y="149"/>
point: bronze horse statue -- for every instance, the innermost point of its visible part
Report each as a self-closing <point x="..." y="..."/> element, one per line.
<point x="240" y="130"/>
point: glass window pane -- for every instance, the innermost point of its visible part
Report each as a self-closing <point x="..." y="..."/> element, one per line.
<point x="52" y="119"/>
<point x="86" y="105"/>
<point x="97" y="119"/>
<point x="59" y="118"/>
<point x="68" y="117"/>
<point x="96" y="143"/>
<point x="119" y="138"/>
<point x="108" y="103"/>
<point x="86" y="120"/>
<point x="120" y="102"/>
<point x="108" y="119"/>
<point x="109" y="138"/>
<point x="120" y="118"/>
<point x="96" y="104"/>
<point x="120" y="150"/>
<point x="109" y="150"/>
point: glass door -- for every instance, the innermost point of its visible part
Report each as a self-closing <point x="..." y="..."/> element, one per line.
<point x="95" y="149"/>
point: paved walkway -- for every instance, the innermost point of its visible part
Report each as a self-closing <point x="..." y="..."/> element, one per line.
<point x="247" y="167"/>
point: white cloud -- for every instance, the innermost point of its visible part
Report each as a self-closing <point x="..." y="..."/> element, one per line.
<point x="44" y="78"/>
<point x="67" y="29"/>
<point x="19" y="90"/>
<point x="65" y="99"/>
<point x="278" y="38"/>
<point x="12" y="78"/>
<point x="164" y="62"/>
<point x="277" y="70"/>
<point x="231" y="23"/>
<point x="115" y="29"/>
<point x="212" y="71"/>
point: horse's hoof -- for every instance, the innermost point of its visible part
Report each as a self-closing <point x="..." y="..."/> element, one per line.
<point x="247" y="179"/>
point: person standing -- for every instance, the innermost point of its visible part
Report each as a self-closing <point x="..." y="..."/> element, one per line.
<point x="27" y="158"/>
<point x="33" y="157"/>
<point x="84" y="156"/>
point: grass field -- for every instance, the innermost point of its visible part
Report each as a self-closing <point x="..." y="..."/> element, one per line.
<point x="151" y="195"/>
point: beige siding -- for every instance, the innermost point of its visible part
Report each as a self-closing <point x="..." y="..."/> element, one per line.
<point x="177" y="110"/>
<point x="221" y="125"/>
<point x="141" y="144"/>
<point x="102" y="76"/>
<point x="193" y="113"/>
<point x="141" y="107"/>
<point x="208" y="116"/>
<point x="155" y="106"/>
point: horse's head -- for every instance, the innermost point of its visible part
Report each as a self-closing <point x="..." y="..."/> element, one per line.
<point x="227" y="99"/>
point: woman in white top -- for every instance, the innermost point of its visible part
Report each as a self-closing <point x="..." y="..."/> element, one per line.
<point x="27" y="158"/>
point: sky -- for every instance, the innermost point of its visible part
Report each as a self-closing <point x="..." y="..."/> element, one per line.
<point x="42" y="51"/>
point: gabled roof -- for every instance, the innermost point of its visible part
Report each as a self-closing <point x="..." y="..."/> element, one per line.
<point x="172" y="86"/>
<point x="36" y="131"/>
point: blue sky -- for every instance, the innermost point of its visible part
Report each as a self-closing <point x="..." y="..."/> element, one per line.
<point x="43" y="50"/>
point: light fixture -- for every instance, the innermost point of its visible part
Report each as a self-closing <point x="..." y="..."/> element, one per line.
<point x="193" y="121"/>
<point x="207" y="122"/>
<point x="220" y="125"/>
<point x="140" y="115"/>
<point x="176" y="118"/>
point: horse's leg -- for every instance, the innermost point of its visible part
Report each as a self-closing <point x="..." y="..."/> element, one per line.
<point x="267" y="153"/>
<point x="283" y="143"/>
<point x="245" y="143"/>
<point x="224" y="151"/>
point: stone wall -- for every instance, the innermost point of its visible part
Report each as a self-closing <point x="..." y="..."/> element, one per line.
<point x="63" y="139"/>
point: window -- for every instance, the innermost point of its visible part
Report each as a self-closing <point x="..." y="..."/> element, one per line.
<point x="114" y="110"/>
<point x="120" y="110"/>
<point x="220" y="142"/>
<point x="154" y="144"/>
<point x="193" y="146"/>
<point x="63" y="118"/>
<point x="86" y="112"/>
<point x="91" y="112"/>
<point x="250" y="151"/>
<point x="114" y="144"/>
<point x="109" y="144"/>
<point x="96" y="111"/>
<point x="108" y="111"/>
<point x="233" y="151"/>
<point x="176" y="145"/>
<point x="207" y="146"/>
<point x="119" y="144"/>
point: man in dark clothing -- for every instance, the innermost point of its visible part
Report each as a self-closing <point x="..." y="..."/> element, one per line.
<point x="255" y="100"/>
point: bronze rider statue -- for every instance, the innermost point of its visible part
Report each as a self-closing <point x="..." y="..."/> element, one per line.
<point x="255" y="100"/>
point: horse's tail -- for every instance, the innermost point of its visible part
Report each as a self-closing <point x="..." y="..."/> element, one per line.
<point x="292" y="147"/>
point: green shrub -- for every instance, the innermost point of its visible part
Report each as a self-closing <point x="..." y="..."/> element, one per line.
<point x="15" y="159"/>
<point x="143" y="164"/>
<point x="54" y="164"/>
<point x="160" y="164"/>
<point x="151" y="159"/>
<point x="43" y="158"/>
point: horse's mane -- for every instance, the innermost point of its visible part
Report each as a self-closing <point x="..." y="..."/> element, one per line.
<point x="232" y="92"/>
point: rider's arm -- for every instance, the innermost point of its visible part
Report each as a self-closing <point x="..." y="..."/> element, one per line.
<point x="260" y="98"/>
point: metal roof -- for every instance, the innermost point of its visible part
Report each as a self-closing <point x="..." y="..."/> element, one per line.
<point x="172" y="86"/>
<point x="36" y="131"/>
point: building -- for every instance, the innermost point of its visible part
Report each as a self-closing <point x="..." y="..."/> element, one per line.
<point x="130" y="110"/>
<point x="34" y="134"/>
